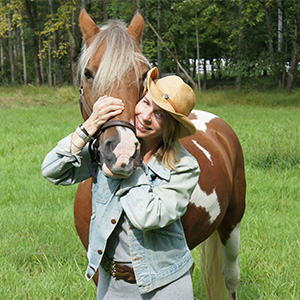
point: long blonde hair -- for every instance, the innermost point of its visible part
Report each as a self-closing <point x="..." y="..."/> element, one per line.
<point x="169" y="148"/>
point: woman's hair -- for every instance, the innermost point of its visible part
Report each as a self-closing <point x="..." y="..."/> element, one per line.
<point x="168" y="149"/>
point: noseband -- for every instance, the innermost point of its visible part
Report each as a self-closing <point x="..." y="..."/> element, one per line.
<point x="111" y="123"/>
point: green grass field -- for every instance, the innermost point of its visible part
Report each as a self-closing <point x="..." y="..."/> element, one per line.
<point x="41" y="256"/>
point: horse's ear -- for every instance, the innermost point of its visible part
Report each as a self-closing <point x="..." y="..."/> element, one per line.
<point x="88" y="27"/>
<point x="136" y="27"/>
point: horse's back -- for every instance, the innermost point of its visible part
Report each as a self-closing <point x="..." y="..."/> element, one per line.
<point x="218" y="201"/>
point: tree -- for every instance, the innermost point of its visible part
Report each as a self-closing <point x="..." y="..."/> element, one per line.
<point x="31" y="9"/>
<point x="239" y="39"/>
<point x="295" y="10"/>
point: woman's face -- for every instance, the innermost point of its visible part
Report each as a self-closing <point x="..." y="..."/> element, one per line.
<point x="149" y="120"/>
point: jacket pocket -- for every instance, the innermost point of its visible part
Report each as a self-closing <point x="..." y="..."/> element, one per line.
<point x="169" y="233"/>
<point x="100" y="195"/>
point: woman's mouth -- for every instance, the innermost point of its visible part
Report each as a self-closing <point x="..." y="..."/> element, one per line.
<point x="143" y="127"/>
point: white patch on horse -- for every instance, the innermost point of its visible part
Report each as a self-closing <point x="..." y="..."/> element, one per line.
<point x="209" y="202"/>
<point x="203" y="118"/>
<point x="127" y="145"/>
<point x="206" y="153"/>
<point x="231" y="268"/>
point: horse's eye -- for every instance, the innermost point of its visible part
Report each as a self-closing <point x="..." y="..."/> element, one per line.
<point x="88" y="74"/>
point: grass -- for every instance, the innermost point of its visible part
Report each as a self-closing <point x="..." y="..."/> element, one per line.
<point x="41" y="256"/>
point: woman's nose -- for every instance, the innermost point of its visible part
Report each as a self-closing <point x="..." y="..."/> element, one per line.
<point x="147" y="116"/>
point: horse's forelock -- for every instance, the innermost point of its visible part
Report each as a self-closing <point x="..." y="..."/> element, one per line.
<point x="120" y="56"/>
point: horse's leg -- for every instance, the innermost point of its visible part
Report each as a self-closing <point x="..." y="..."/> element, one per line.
<point x="231" y="269"/>
<point x="83" y="212"/>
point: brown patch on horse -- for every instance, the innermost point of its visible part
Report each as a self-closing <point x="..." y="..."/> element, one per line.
<point x="192" y="116"/>
<point x="220" y="174"/>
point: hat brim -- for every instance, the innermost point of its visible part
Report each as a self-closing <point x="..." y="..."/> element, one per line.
<point x="186" y="126"/>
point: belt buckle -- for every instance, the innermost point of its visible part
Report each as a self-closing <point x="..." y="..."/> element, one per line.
<point x="109" y="266"/>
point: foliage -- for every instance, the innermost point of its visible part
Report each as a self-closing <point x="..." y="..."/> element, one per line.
<point x="240" y="34"/>
<point x="60" y="22"/>
<point x="10" y="9"/>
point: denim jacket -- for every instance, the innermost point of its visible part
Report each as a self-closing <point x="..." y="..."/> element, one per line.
<point x="153" y="199"/>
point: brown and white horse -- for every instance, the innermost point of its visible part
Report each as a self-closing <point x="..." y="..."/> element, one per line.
<point x="217" y="204"/>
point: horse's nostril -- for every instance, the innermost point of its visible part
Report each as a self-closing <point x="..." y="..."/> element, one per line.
<point x="108" y="148"/>
<point x="137" y="146"/>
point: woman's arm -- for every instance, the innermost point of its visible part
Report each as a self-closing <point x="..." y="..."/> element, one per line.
<point x="155" y="207"/>
<point x="69" y="162"/>
<point x="60" y="166"/>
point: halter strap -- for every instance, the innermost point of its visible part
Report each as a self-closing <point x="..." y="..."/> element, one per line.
<point x="84" y="103"/>
<point x="113" y="123"/>
<point x="108" y="124"/>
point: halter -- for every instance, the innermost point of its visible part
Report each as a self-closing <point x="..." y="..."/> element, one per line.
<point x="111" y="123"/>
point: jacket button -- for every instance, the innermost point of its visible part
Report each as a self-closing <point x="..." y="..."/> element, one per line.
<point x="113" y="221"/>
<point x="88" y="275"/>
<point x="99" y="251"/>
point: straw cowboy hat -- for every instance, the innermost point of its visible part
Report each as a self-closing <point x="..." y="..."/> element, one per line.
<point x="174" y="96"/>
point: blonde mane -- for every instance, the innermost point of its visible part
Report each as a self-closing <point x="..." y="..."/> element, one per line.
<point x="120" y="56"/>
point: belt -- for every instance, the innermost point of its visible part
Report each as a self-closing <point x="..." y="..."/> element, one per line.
<point x="117" y="271"/>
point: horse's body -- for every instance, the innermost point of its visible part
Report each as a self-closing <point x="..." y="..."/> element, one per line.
<point x="218" y="201"/>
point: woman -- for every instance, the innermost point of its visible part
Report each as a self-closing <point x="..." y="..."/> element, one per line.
<point x="137" y="242"/>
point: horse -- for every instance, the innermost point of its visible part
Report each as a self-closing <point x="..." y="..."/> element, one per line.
<point x="217" y="205"/>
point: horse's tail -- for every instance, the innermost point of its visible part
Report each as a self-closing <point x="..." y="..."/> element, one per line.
<point x="211" y="267"/>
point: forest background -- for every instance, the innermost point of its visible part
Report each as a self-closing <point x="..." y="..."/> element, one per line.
<point x="234" y="41"/>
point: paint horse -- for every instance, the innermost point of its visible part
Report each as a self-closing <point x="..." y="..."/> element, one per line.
<point x="217" y="205"/>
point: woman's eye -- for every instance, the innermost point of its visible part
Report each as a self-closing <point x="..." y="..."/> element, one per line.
<point x="88" y="74"/>
<point x="160" y="114"/>
<point x="146" y="102"/>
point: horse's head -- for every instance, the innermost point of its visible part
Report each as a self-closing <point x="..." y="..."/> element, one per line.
<point x="112" y="64"/>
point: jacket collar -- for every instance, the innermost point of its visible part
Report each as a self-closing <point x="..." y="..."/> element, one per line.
<point x="157" y="168"/>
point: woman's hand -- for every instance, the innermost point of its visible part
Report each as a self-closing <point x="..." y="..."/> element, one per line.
<point x="104" y="109"/>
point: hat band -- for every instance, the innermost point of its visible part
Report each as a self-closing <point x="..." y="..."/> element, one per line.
<point x="173" y="105"/>
<point x="166" y="97"/>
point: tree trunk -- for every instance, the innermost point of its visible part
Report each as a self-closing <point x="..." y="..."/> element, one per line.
<point x="41" y="61"/>
<point x="280" y="42"/>
<point x="23" y="53"/>
<point x="158" y="42"/>
<point x="32" y="14"/>
<point x="10" y="52"/>
<point x="238" y="83"/>
<point x="49" y="68"/>
<point x="186" y="57"/>
<point x="204" y="84"/>
<point x="294" y="60"/>
<point x="194" y="67"/>
<point x="57" y="72"/>
<point x="280" y="25"/>
<point x="1" y="58"/>
<point x="238" y="80"/>
<point x="198" y="51"/>
<point x="213" y="75"/>
<point x="1" y="55"/>
<point x="270" y="34"/>
<point x="105" y="13"/>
